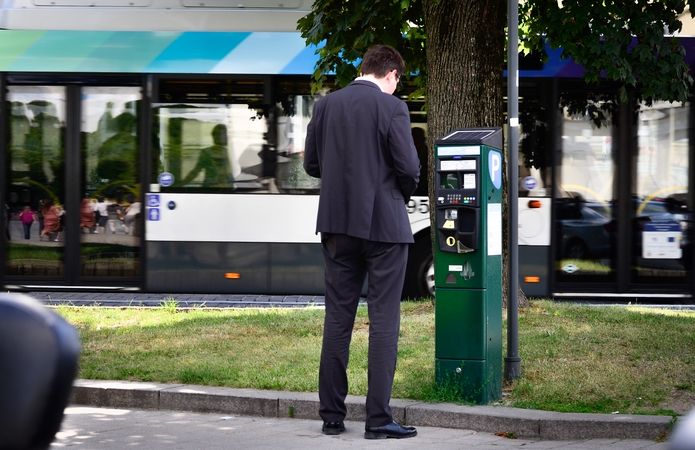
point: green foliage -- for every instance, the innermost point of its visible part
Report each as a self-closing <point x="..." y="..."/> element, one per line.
<point x="169" y="304"/>
<point x="621" y="40"/>
<point x="113" y="169"/>
<point x="17" y="251"/>
<point x="345" y="30"/>
<point x="604" y="359"/>
<point x="598" y="107"/>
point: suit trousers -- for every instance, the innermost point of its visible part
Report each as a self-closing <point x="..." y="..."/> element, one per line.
<point x="348" y="261"/>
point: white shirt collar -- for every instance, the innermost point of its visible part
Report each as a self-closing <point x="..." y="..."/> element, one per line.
<point x="371" y="79"/>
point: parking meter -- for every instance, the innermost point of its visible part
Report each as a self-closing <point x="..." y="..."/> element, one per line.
<point x="468" y="263"/>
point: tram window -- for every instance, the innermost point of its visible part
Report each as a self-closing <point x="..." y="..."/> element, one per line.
<point x="233" y="148"/>
<point x="212" y="90"/>
<point x="201" y="146"/>
<point x="292" y="119"/>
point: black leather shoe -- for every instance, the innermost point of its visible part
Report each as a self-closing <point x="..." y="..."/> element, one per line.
<point x="392" y="430"/>
<point x="333" y="428"/>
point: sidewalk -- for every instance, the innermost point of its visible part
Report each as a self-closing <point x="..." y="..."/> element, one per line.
<point x="88" y="428"/>
<point x="523" y="423"/>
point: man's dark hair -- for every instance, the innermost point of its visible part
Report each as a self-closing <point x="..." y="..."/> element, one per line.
<point x="380" y="60"/>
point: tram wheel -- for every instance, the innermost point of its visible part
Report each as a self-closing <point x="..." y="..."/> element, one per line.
<point x="419" y="274"/>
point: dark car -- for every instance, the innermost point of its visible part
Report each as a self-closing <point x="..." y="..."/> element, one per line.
<point x="584" y="232"/>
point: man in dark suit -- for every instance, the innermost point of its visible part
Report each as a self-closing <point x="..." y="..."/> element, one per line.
<point x="359" y="143"/>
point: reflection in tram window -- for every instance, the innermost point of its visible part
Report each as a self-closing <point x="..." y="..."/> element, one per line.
<point x="110" y="247"/>
<point x="233" y="148"/>
<point x="213" y="162"/>
<point x="291" y="128"/>
<point x="36" y="156"/>
<point x="584" y="202"/>
<point x="197" y="145"/>
<point x="662" y="216"/>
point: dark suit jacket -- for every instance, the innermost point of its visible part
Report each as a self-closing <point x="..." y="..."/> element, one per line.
<point x="360" y="144"/>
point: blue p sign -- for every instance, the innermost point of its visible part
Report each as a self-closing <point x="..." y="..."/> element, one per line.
<point x="494" y="164"/>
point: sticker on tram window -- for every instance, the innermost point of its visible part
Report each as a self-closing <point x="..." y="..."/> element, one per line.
<point x="529" y="183"/>
<point x="153" y="200"/>
<point x="662" y="240"/>
<point x="153" y="214"/>
<point x="165" y="179"/>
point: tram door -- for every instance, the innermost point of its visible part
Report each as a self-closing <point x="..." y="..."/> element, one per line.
<point x="624" y="210"/>
<point x="72" y="199"/>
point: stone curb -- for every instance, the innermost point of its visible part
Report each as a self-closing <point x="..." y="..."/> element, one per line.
<point x="524" y="423"/>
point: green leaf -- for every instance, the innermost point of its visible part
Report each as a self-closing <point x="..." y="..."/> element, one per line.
<point x="622" y="92"/>
<point x="598" y="34"/>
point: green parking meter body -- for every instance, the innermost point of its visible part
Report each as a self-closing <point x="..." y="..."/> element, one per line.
<point x="468" y="263"/>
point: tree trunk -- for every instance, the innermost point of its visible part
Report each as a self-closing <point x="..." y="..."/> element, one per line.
<point x="465" y="60"/>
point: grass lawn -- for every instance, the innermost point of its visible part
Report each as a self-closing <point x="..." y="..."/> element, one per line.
<point x="574" y="358"/>
<point x="94" y="251"/>
<point x="33" y="252"/>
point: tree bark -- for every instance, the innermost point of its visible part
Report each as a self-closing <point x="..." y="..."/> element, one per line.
<point x="465" y="60"/>
<point x="465" y="57"/>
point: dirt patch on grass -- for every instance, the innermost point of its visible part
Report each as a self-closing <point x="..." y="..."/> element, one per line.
<point x="680" y="402"/>
<point x="419" y="308"/>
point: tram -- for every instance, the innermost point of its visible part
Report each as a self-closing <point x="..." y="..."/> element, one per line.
<point x="183" y="123"/>
<point x="158" y="146"/>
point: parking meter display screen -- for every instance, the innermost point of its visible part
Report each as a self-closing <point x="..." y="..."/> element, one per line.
<point x="458" y="181"/>
<point x="458" y="165"/>
<point x="450" y="181"/>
